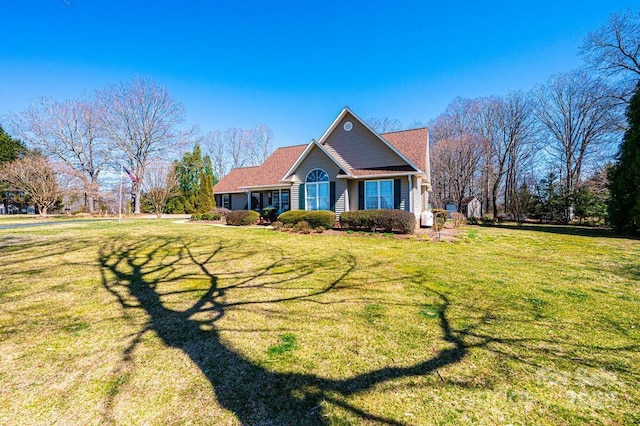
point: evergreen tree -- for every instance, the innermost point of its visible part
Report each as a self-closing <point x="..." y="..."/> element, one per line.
<point x="205" y="202"/>
<point x="10" y="148"/>
<point x="194" y="174"/>
<point x="624" y="207"/>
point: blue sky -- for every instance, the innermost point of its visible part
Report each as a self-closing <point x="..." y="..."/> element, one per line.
<point x="291" y="65"/>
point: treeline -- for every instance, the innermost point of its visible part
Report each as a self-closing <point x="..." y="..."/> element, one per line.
<point x="545" y="153"/>
<point x="135" y="126"/>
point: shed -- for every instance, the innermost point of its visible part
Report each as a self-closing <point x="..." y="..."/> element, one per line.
<point x="471" y="207"/>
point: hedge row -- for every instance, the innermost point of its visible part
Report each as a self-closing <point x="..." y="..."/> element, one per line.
<point x="206" y="216"/>
<point x="399" y="221"/>
<point x="242" y="217"/>
<point x="315" y="218"/>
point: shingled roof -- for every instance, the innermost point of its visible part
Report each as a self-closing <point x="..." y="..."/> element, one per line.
<point x="411" y="143"/>
<point x="269" y="173"/>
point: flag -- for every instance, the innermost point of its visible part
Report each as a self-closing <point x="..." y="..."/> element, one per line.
<point x="133" y="177"/>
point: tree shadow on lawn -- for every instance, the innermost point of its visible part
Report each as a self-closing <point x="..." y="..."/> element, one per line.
<point x="577" y="230"/>
<point x="134" y="273"/>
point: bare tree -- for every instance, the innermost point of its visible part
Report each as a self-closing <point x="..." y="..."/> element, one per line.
<point x="416" y="124"/>
<point x="142" y="121"/>
<point x="578" y="121"/>
<point x="159" y="184"/>
<point x="235" y="143"/>
<point x="384" y="124"/>
<point x="454" y="166"/>
<point x="512" y="129"/>
<point x="68" y="132"/>
<point x="34" y="176"/>
<point x="455" y="135"/>
<point x="258" y="144"/>
<point x="214" y="145"/>
<point x="614" y="51"/>
<point x="458" y="120"/>
<point x="521" y="199"/>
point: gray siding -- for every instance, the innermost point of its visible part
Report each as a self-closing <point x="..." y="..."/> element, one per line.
<point x="360" y="148"/>
<point x="316" y="159"/>
<point x="404" y="193"/>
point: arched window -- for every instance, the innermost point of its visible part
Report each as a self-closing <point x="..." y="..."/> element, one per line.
<point x="317" y="190"/>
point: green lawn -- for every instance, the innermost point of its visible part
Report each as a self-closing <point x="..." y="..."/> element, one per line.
<point x="158" y="322"/>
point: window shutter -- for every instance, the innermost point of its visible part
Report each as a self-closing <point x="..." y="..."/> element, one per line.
<point x="229" y="202"/>
<point x="397" y="196"/>
<point x="332" y="196"/>
<point x="301" y="196"/>
<point x="361" y="195"/>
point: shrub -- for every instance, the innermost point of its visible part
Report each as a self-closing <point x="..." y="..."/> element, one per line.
<point x="242" y="217"/>
<point x="439" y="219"/>
<point x="442" y="212"/>
<point x="269" y="214"/>
<point x="302" y="227"/>
<point x="314" y="218"/>
<point x="458" y="219"/>
<point x="379" y="220"/>
<point x="216" y="216"/>
<point x="277" y="225"/>
<point x="320" y="229"/>
<point x="196" y="216"/>
<point x="287" y="226"/>
<point x="488" y="221"/>
<point x="221" y="211"/>
<point x="207" y="216"/>
<point x="473" y="221"/>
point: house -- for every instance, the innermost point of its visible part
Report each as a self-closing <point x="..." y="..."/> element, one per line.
<point x="351" y="167"/>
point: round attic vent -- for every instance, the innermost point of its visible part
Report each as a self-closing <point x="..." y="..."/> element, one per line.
<point x="348" y="126"/>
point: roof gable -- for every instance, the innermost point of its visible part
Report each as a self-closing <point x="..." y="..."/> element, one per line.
<point x="314" y="144"/>
<point x="349" y="145"/>
<point x="347" y="149"/>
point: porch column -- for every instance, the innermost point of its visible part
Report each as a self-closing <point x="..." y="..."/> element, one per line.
<point x="346" y="196"/>
<point x="248" y="200"/>
<point x="410" y="194"/>
<point x="279" y="200"/>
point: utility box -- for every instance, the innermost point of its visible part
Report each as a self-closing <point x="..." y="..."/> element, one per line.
<point x="426" y="219"/>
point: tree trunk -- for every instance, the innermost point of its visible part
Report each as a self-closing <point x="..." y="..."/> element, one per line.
<point x="138" y="191"/>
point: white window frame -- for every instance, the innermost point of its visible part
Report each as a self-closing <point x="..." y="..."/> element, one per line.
<point x="226" y="201"/>
<point x="317" y="185"/>
<point x="378" y="195"/>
